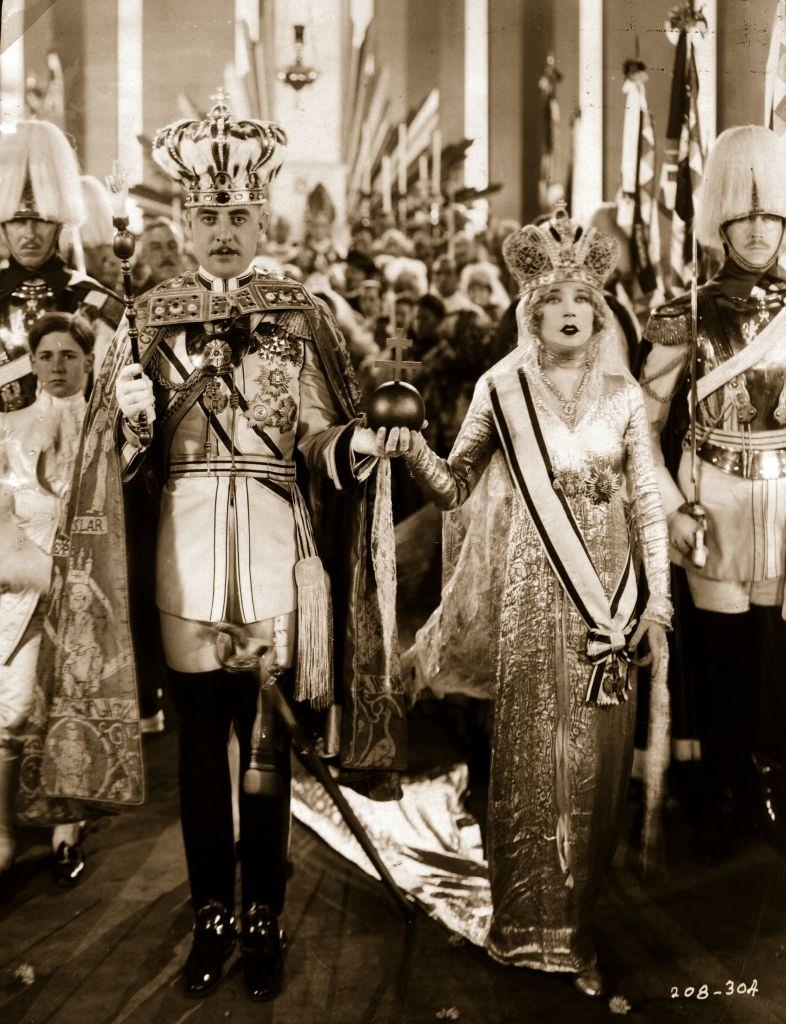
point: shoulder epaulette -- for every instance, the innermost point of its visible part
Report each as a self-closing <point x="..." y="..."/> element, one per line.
<point x="171" y="304"/>
<point x="669" y="324"/>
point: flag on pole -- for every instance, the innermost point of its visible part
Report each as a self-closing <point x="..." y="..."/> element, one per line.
<point x="637" y="211"/>
<point x="775" y="77"/>
<point x="548" y="83"/>
<point x="683" y="160"/>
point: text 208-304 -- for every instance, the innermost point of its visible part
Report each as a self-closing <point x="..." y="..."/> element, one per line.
<point x="729" y="988"/>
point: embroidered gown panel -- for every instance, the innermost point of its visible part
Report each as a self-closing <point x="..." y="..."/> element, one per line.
<point x="550" y="749"/>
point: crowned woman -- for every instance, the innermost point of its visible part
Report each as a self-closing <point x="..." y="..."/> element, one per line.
<point x="555" y="445"/>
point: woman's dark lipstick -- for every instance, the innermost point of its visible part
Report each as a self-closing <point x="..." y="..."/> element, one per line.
<point x="569" y="329"/>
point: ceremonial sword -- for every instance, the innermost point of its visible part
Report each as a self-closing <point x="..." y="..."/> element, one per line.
<point x="695" y="508"/>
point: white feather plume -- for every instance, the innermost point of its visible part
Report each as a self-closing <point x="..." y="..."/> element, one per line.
<point x="97" y="228"/>
<point x="40" y="152"/>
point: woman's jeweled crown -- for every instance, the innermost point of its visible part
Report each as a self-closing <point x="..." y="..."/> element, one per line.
<point x="559" y="250"/>
<point x="221" y="161"/>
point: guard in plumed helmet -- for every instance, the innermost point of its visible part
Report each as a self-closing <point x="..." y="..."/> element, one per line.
<point x="244" y="394"/>
<point x="97" y="235"/>
<point x="41" y="195"/>
<point x="732" y="616"/>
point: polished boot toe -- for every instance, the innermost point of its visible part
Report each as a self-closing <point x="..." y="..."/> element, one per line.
<point x="214" y="940"/>
<point x="68" y="864"/>
<point x="263" y="953"/>
<point x="590" y="983"/>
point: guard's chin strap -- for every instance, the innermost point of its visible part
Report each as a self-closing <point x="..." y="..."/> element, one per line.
<point x="753" y="268"/>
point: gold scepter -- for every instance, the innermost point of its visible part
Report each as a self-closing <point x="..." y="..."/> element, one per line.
<point x="124" y="245"/>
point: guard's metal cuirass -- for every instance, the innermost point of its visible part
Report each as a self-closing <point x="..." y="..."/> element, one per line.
<point x="726" y="326"/>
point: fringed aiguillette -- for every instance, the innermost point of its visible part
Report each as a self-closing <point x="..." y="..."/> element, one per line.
<point x="314" y="679"/>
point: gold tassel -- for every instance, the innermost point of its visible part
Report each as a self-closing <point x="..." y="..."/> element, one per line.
<point x="383" y="558"/>
<point x="314" y="678"/>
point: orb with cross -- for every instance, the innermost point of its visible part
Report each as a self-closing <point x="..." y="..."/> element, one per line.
<point x="397" y="403"/>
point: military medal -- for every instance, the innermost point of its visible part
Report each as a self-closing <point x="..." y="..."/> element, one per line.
<point x="217" y="355"/>
<point x="215" y="400"/>
<point x="36" y="296"/>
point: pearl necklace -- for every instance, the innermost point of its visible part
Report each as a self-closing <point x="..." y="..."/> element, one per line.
<point x="569" y="406"/>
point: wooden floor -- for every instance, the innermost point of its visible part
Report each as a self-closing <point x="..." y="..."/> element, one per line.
<point x="111" y="950"/>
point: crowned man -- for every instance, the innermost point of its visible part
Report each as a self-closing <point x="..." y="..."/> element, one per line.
<point x="737" y="626"/>
<point x="41" y="194"/>
<point x="248" y="395"/>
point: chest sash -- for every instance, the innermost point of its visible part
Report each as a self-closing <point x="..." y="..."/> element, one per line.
<point x="609" y="621"/>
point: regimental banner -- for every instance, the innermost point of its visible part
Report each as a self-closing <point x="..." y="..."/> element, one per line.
<point x="775" y="77"/>
<point x="637" y="212"/>
<point x="683" y="162"/>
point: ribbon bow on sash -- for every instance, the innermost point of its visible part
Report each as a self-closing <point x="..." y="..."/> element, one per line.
<point x="612" y="657"/>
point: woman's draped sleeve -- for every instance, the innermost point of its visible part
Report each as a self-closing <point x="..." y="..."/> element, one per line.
<point x="449" y="482"/>
<point x="650" y="517"/>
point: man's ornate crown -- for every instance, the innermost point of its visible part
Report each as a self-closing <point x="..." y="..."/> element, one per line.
<point x="220" y="161"/>
<point x="559" y="250"/>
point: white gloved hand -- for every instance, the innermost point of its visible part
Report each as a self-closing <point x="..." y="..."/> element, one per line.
<point x="134" y="393"/>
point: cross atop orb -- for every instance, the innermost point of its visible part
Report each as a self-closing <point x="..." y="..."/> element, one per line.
<point x="398" y="363"/>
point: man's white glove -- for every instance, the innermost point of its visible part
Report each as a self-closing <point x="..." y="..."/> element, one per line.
<point x="134" y="393"/>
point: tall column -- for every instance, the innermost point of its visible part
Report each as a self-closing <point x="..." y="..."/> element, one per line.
<point x="12" y="63"/>
<point x="588" y="154"/>
<point x="245" y="11"/>
<point x="538" y="43"/>
<point x="476" y="92"/>
<point x="129" y="88"/>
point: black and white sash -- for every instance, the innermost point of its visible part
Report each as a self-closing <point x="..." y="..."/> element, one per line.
<point x="609" y="621"/>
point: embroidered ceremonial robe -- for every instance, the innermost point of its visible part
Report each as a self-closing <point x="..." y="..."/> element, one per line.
<point x="283" y="404"/>
<point x="555" y="757"/>
<point x="25" y="295"/>
<point x="38" y="445"/>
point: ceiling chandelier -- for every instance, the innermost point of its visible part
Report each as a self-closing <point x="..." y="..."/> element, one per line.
<point x="298" y="74"/>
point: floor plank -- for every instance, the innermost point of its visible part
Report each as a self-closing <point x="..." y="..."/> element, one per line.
<point x="110" y="951"/>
